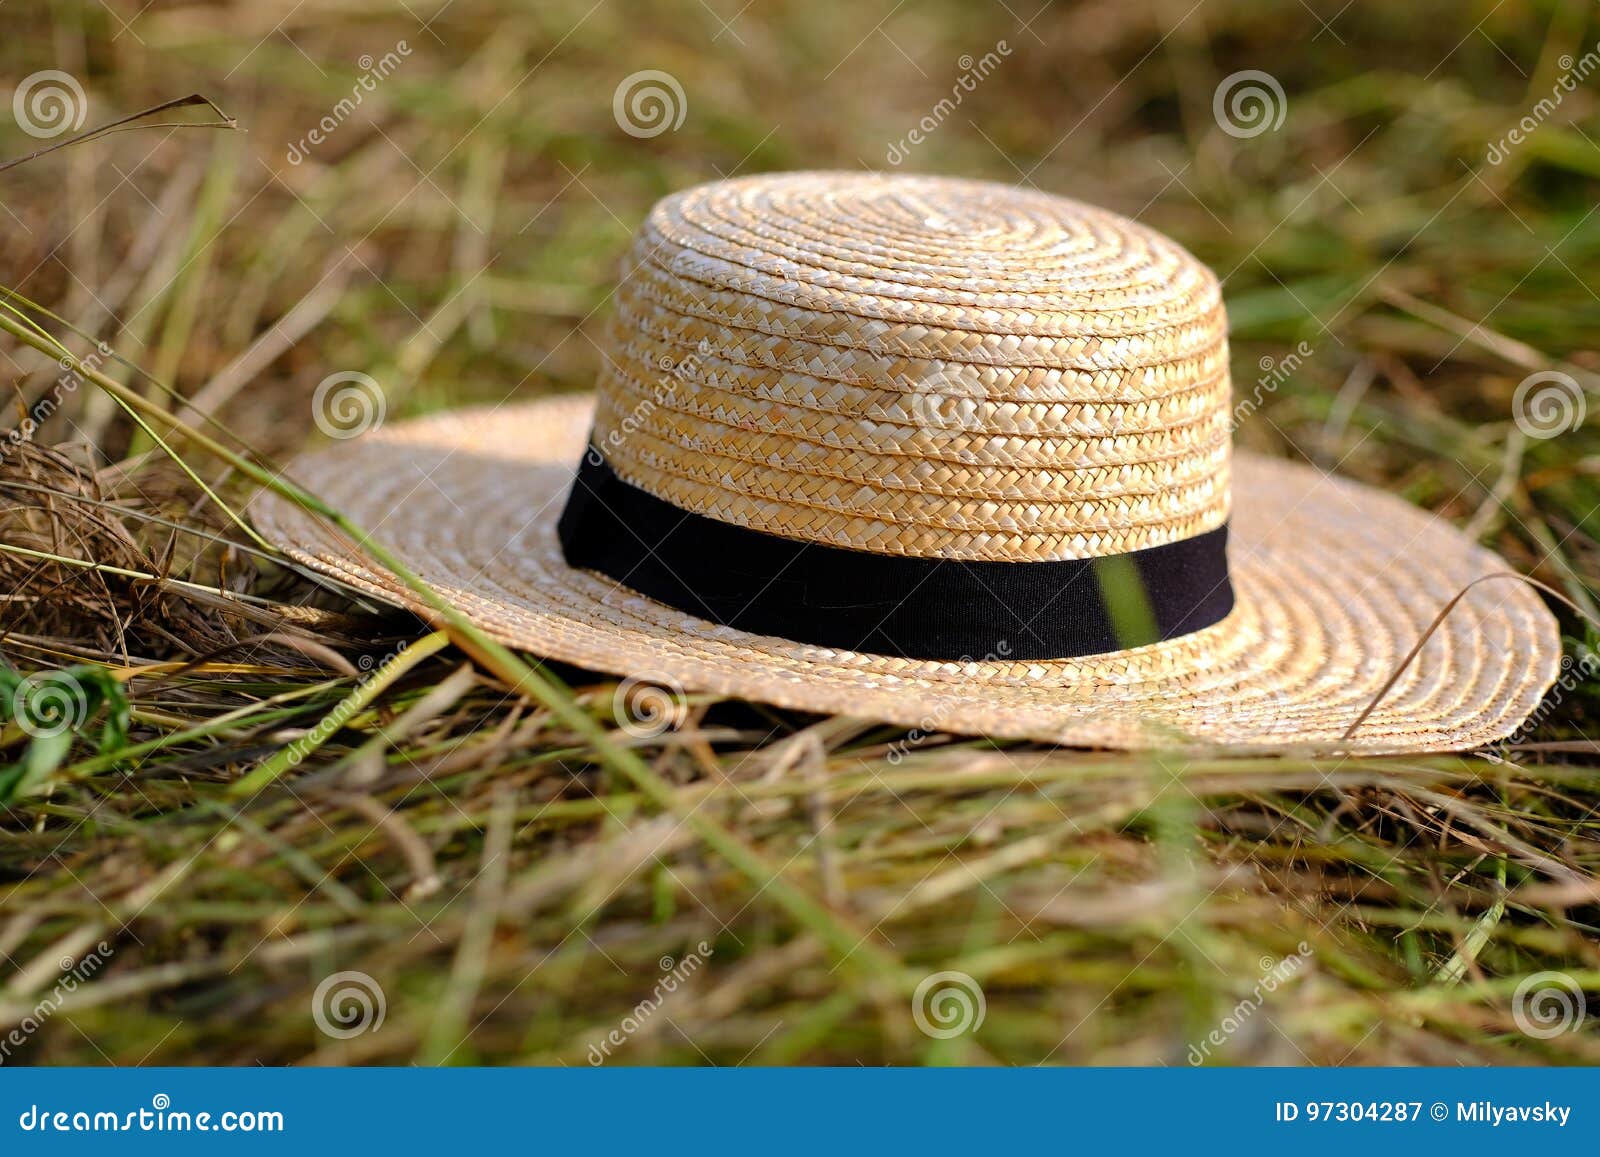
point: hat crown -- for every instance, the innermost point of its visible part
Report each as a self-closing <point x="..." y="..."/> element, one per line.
<point x="920" y="366"/>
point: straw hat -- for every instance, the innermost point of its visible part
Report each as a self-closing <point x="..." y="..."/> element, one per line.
<point x="944" y="453"/>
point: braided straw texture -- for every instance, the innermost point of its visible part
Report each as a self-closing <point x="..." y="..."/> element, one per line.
<point x="920" y="366"/>
<point x="1335" y="583"/>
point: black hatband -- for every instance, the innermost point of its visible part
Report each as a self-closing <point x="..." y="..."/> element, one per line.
<point x="911" y="608"/>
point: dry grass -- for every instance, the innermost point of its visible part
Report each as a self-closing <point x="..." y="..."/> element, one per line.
<point x="511" y="882"/>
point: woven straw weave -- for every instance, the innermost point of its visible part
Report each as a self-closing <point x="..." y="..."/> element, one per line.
<point x="919" y="366"/>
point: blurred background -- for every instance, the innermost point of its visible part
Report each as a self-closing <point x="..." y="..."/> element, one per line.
<point x="434" y="196"/>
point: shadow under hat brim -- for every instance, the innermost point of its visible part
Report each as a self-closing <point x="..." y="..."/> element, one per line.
<point x="1335" y="583"/>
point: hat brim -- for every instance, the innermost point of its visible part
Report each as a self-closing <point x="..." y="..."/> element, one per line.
<point x="1335" y="583"/>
